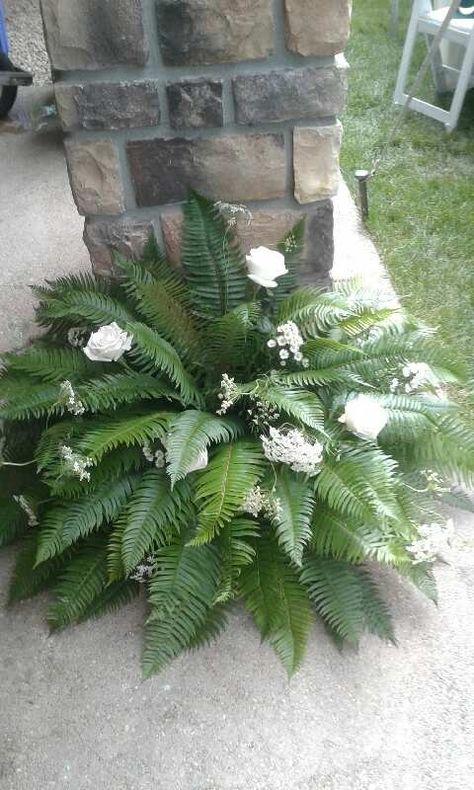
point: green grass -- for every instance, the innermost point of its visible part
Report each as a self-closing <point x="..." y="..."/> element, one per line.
<point x="422" y="198"/>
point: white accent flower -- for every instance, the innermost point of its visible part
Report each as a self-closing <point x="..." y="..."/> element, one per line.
<point x="433" y="540"/>
<point x="294" y="449"/>
<point x="202" y="460"/>
<point x="108" y="343"/>
<point x="364" y="417"/>
<point x="264" y="266"/>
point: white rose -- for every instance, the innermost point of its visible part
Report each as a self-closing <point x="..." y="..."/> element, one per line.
<point x="108" y="344"/>
<point x="364" y="417"/>
<point x="202" y="460"/>
<point x="265" y="265"/>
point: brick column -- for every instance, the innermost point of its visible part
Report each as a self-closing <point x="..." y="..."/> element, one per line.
<point x="235" y="98"/>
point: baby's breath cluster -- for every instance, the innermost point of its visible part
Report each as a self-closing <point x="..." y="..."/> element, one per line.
<point x="262" y="414"/>
<point x="26" y="507"/>
<point x="433" y="540"/>
<point x="289" y="341"/>
<point x="228" y="394"/>
<point x="70" y="399"/>
<point x="294" y="449"/>
<point x="144" y="570"/>
<point x="258" y="501"/>
<point x="156" y="457"/>
<point x="75" y="463"/>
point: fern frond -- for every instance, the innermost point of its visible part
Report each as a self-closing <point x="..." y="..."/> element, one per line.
<point x="189" y="434"/>
<point x="349" y="539"/>
<point x="24" y="399"/>
<point x="181" y="596"/>
<point x="72" y="307"/>
<point x="13" y="521"/>
<point x="278" y="603"/>
<point x="81" y="581"/>
<point x="293" y="520"/>
<point x="302" y="405"/>
<point x="28" y="580"/>
<point x="116" y="389"/>
<point x="155" y="353"/>
<point x="106" y="435"/>
<point x="229" y="340"/>
<point x="212" y="260"/>
<point x="223" y="485"/>
<point x="50" y="364"/>
<point x="164" y="304"/>
<point x="153" y="515"/>
<point x="236" y="549"/>
<point x="422" y="576"/>
<point x="211" y="628"/>
<point x="112" y="597"/>
<point x="359" y="484"/>
<point x="346" y="598"/>
<point x="68" y="522"/>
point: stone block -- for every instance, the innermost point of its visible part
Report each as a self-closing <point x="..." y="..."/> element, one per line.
<point x="107" y="105"/>
<point x="287" y="94"/>
<point x="232" y="167"/>
<point x="87" y="34"/>
<point x="198" y="32"/>
<point x="103" y="238"/>
<point x="267" y="227"/>
<point x="316" y="161"/>
<point x="195" y="104"/>
<point x="317" y="27"/>
<point x="94" y="173"/>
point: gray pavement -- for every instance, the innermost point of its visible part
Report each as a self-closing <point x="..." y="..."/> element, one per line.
<point x="74" y="712"/>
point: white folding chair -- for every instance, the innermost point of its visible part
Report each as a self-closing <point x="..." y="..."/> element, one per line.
<point x="427" y="20"/>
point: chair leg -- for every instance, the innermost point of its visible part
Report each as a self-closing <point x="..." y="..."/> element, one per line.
<point x="462" y="86"/>
<point x="399" y="93"/>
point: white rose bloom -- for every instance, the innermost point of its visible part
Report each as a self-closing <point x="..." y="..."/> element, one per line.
<point x="108" y="344"/>
<point x="364" y="417"/>
<point x="265" y="265"/>
<point x="202" y="460"/>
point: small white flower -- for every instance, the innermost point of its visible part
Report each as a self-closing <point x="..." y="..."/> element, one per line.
<point x="298" y="356"/>
<point x="364" y="416"/>
<point x="228" y="394"/>
<point x="264" y="266"/>
<point x="69" y="397"/>
<point x="294" y="449"/>
<point x="433" y="539"/>
<point x="271" y="343"/>
<point x="201" y="461"/>
<point x="75" y="464"/>
<point x="284" y="354"/>
<point x="159" y="459"/>
<point x="108" y="343"/>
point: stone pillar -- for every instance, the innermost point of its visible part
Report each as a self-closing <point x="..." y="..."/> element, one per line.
<point x="237" y="99"/>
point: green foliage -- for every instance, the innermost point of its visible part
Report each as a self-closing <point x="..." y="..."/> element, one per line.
<point x="278" y="603"/>
<point x="152" y="475"/>
<point x="223" y="485"/>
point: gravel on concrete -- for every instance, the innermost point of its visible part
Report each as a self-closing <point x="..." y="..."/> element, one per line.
<point x="26" y="38"/>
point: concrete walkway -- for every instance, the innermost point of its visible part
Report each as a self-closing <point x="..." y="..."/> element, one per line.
<point x="74" y="712"/>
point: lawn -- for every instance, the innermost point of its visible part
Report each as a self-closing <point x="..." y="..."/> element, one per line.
<point x="422" y="198"/>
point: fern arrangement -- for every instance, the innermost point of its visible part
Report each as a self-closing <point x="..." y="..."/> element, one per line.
<point x="197" y="436"/>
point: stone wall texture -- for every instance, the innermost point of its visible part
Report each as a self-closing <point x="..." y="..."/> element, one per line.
<point x="237" y="99"/>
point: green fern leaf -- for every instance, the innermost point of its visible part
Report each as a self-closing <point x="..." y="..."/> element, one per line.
<point x="114" y="390"/>
<point x="222" y="487"/>
<point x="153" y="515"/>
<point x="293" y="520"/>
<point x="181" y="596"/>
<point x="81" y="581"/>
<point x="113" y="597"/>
<point x="301" y="404"/>
<point x="236" y="550"/>
<point x="278" y="603"/>
<point x="154" y="352"/>
<point x="346" y="598"/>
<point x="189" y="434"/>
<point x="106" y="435"/>
<point x="50" y="364"/>
<point x="212" y="260"/>
<point x="28" y="580"/>
<point x="13" y="521"/>
<point x="68" y="522"/>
